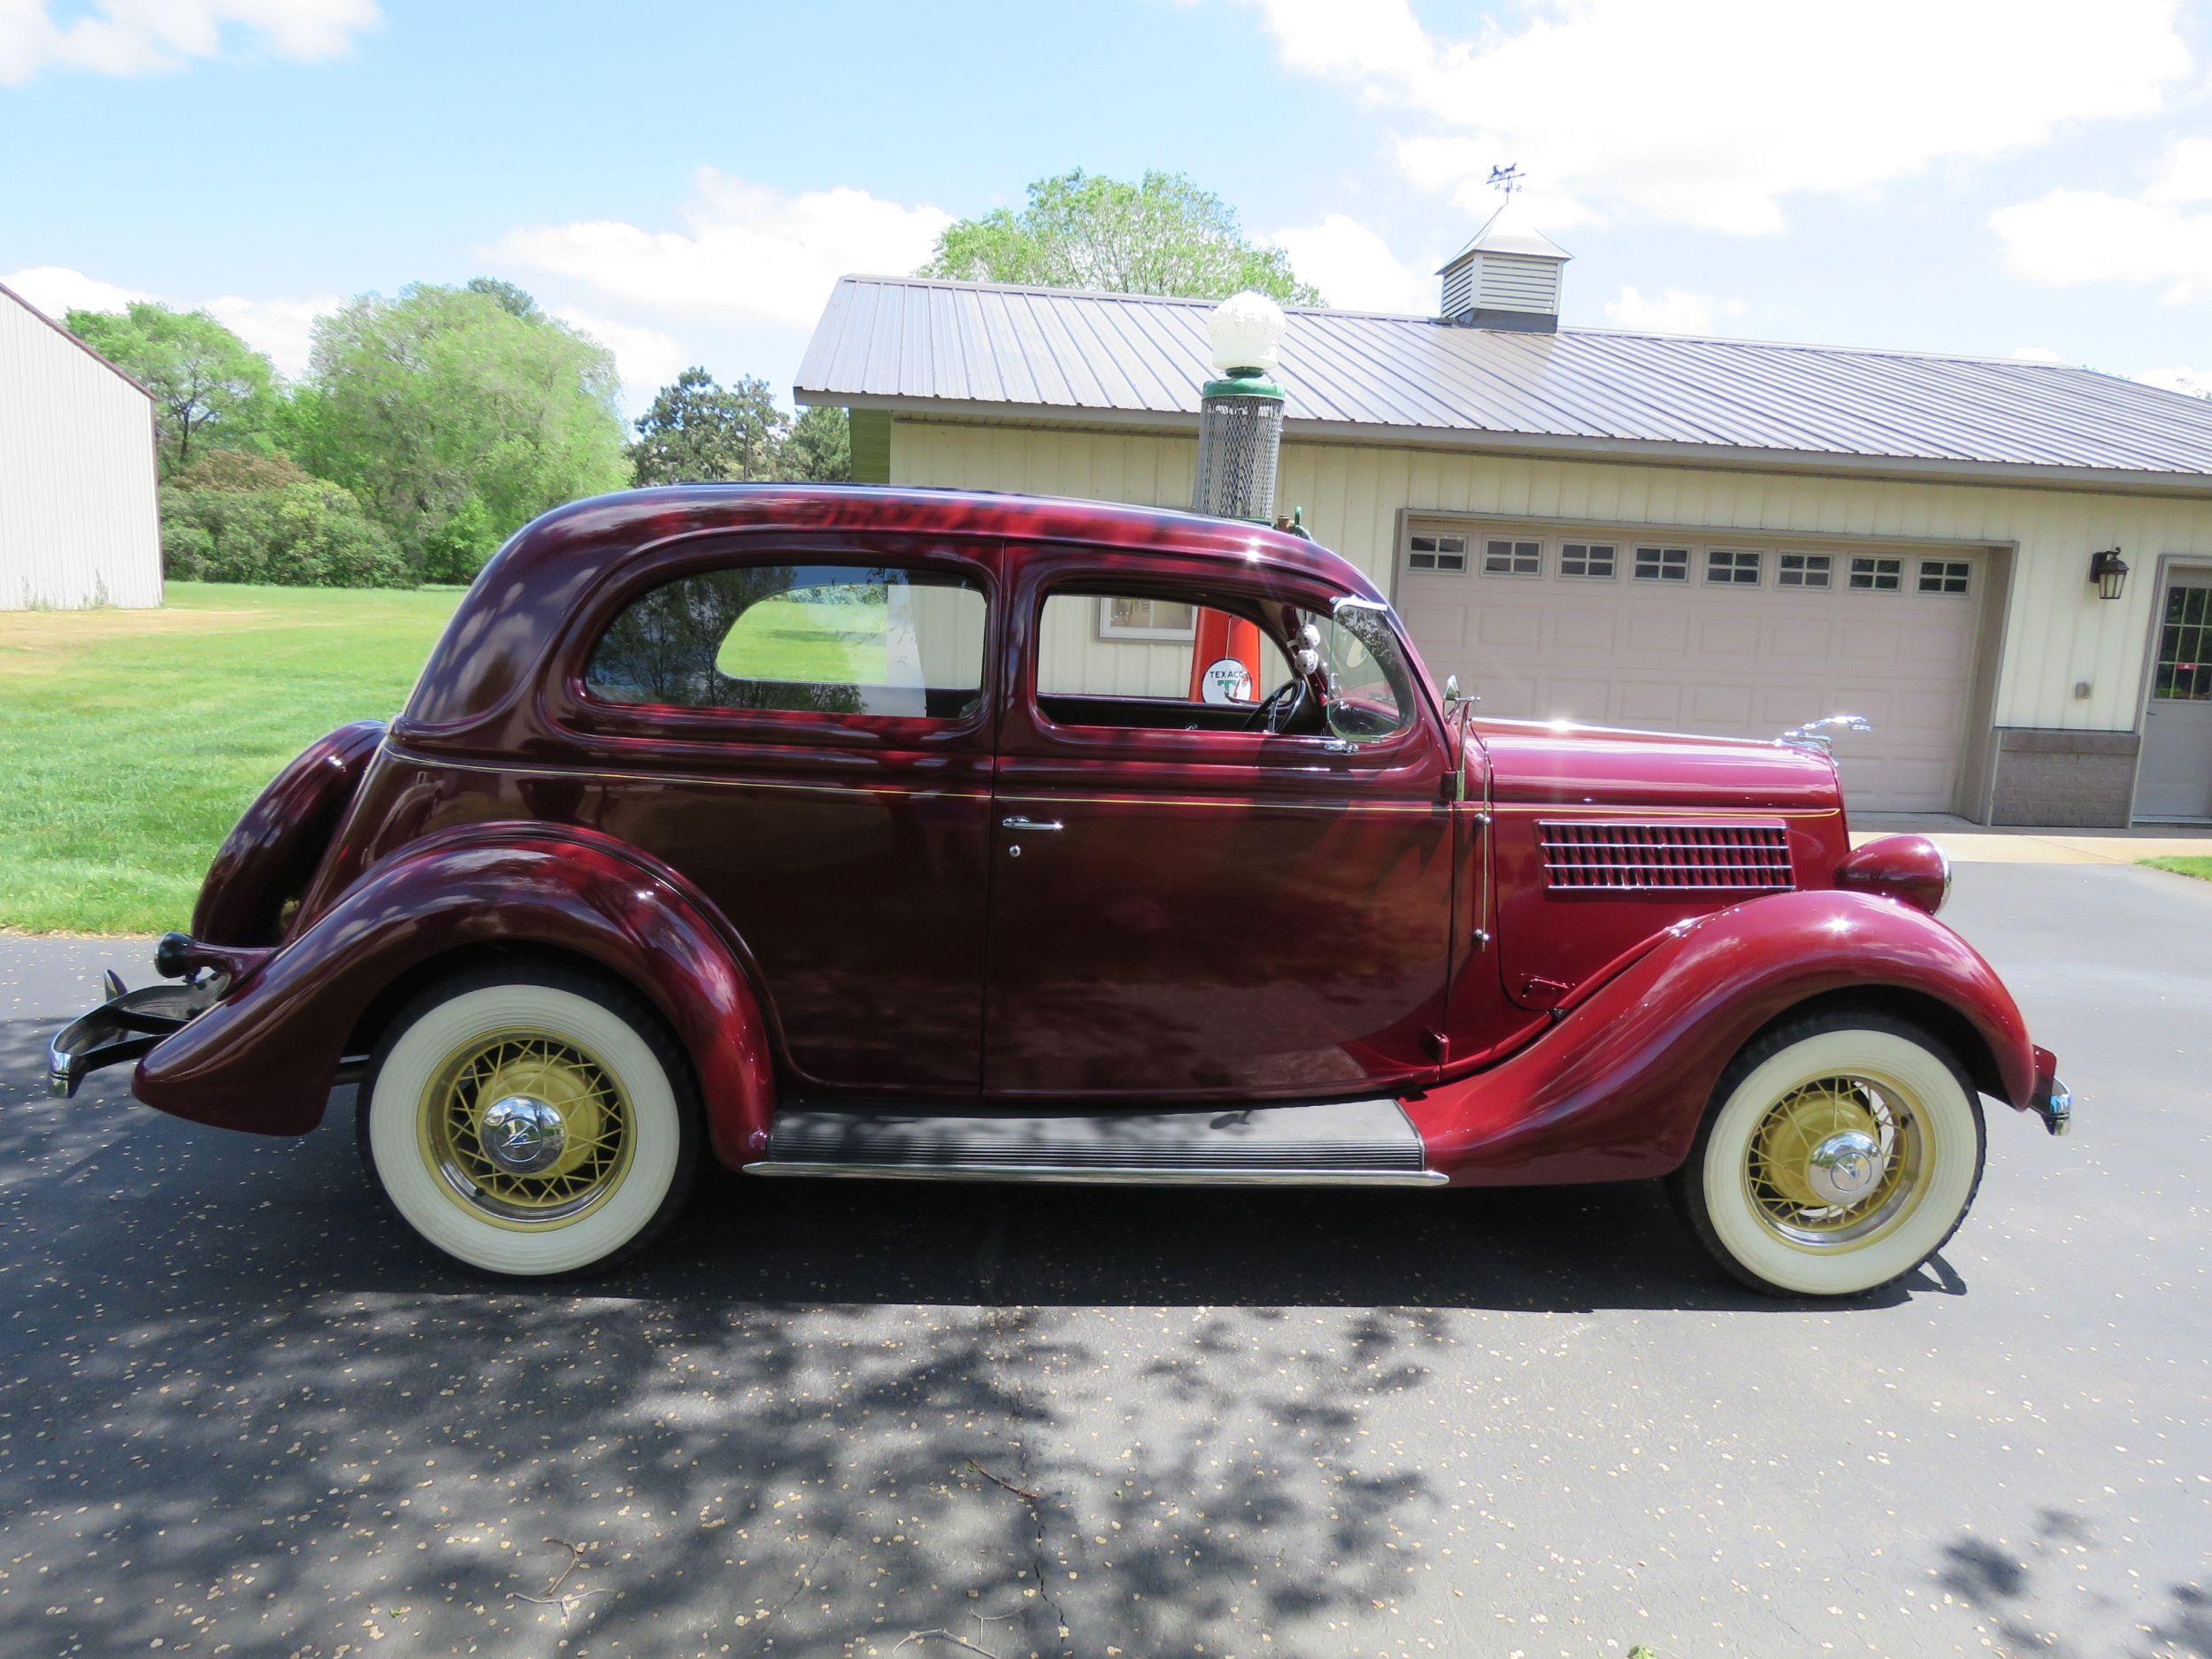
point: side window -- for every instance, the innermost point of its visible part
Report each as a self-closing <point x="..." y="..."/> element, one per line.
<point x="1134" y="649"/>
<point x="1370" y="692"/>
<point x="821" y="638"/>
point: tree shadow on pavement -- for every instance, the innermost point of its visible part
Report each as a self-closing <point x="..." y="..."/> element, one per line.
<point x="245" y="1410"/>
<point x="2049" y="1596"/>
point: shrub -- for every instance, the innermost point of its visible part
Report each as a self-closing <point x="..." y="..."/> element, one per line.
<point x="457" y="548"/>
<point x="235" y="470"/>
<point x="304" y="534"/>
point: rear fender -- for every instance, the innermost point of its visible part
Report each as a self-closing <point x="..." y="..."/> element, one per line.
<point x="263" y="1059"/>
<point x="273" y="851"/>
<point x="1616" y="1089"/>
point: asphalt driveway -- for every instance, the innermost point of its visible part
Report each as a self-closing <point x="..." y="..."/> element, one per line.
<point x="242" y="1413"/>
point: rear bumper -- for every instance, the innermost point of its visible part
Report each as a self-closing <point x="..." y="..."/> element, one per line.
<point x="124" y="1028"/>
<point x="2053" y="1101"/>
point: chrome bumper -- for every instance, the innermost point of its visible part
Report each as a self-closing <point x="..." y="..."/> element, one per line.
<point x="2056" y="1107"/>
<point x="124" y="1027"/>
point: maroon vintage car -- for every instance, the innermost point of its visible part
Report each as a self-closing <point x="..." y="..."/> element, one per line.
<point x="896" y="833"/>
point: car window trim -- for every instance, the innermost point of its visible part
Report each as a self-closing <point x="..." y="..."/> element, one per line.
<point x="654" y="566"/>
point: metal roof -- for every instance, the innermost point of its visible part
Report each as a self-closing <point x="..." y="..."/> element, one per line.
<point x="981" y="350"/>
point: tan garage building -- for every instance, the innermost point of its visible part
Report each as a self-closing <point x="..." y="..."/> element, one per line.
<point x="1658" y="531"/>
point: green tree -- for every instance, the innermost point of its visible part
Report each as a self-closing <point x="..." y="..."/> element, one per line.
<point x="516" y="302"/>
<point x="700" y="431"/>
<point x="1160" y="235"/>
<point x="820" y="447"/>
<point x="455" y="420"/>
<point x="211" y="390"/>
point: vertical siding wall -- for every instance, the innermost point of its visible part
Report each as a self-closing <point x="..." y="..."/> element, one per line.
<point x="77" y="519"/>
<point x="2057" y="631"/>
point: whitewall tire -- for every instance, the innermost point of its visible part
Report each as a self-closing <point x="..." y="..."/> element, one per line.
<point x="530" y="1121"/>
<point x="1840" y="1152"/>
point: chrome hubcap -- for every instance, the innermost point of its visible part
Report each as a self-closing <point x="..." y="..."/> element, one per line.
<point x="525" y="1129"/>
<point x="522" y="1134"/>
<point x="1845" y="1167"/>
<point x="1837" y="1162"/>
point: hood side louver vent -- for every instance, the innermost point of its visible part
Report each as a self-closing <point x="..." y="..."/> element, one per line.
<point x="1739" y="856"/>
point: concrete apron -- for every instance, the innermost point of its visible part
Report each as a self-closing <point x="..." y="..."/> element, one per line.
<point x="1978" y="843"/>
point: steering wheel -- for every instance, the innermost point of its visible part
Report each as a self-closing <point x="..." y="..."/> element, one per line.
<point x="1280" y="707"/>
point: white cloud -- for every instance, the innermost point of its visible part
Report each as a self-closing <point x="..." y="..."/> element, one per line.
<point x="282" y="328"/>
<point x="2163" y="235"/>
<point x="1712" y="113"/>
<point x="139" y="37"/>
<point x="2034" y="354"/>
<point x="2195" y="383"/>
<point x="2187" y="178"/>
<point x="278" y="328"/>
<point x="749" y="253"/>
<point x="646" y="359"/>
<point x="1353" y="267"/>
<point x="55" y="288"/>
<point x="1676" y="311"/>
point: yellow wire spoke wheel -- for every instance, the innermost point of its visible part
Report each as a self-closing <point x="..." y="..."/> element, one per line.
<point x="525" y="1128"/>
<point x="530" y="1122"/>
<point x="1838" y="1157"/>
<point x="1835" y="1161"/>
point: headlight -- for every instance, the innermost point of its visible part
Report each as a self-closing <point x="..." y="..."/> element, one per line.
<point x="1910" y="869"/>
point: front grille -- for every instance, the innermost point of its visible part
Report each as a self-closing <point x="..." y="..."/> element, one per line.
<point x="1740" y="855"/>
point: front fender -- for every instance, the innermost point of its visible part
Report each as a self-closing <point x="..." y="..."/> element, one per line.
<point x="263" y="1058"/>
<point x="1615" y="1090"/>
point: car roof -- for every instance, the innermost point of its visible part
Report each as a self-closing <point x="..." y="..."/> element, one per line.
<point x="644" y="515"/>
<point x="522" y="599"/>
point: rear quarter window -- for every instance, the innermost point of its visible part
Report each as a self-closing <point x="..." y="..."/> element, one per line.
<point x="826" y="638"/>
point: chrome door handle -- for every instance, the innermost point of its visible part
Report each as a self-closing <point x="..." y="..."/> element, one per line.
<point x="1020" y="823"/>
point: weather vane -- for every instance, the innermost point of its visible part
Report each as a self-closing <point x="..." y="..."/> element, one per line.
<point x="1507" y="179"/>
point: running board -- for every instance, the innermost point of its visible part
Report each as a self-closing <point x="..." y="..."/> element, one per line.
<point x="1340" y="1143"/>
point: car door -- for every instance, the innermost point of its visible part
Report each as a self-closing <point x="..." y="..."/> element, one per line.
<point x="803" y="722"/>
<point x="1185" y="908"/>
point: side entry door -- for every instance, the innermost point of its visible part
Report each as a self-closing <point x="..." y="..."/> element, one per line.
<point x="2175" y="780"/>
<point x="1200" y="890"/>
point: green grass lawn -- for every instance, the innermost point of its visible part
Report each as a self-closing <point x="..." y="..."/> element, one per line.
<point x="786" y="639"/>
<point x="130" y="741"/>
<point x="2185" y="865"/>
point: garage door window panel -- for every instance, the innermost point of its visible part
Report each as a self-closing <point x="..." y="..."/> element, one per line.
<point x="1663" y="564"/>
<point x="1506" y="555"/>
<point x="1877" y="575"/>
<point x="1588" y="561"/>
<point x="1945" y="576"/>
<point x="1805" y="570"/>
<point x="1442" y="554"/>
<point x="1730" y="567"/>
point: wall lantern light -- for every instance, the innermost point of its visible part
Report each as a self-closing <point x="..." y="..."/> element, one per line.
<point x="2109" y="571"/>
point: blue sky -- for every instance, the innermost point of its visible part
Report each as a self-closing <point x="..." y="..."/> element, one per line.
<point x="684" y="179"/>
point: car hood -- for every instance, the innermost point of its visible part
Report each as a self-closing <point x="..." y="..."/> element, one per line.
<point x="1557" y="763"/>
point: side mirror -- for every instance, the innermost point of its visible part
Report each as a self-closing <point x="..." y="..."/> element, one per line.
<point x="1451" y="690"/>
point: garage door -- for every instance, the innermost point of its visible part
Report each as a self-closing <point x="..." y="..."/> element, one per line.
<point x="1732" y="638"/>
